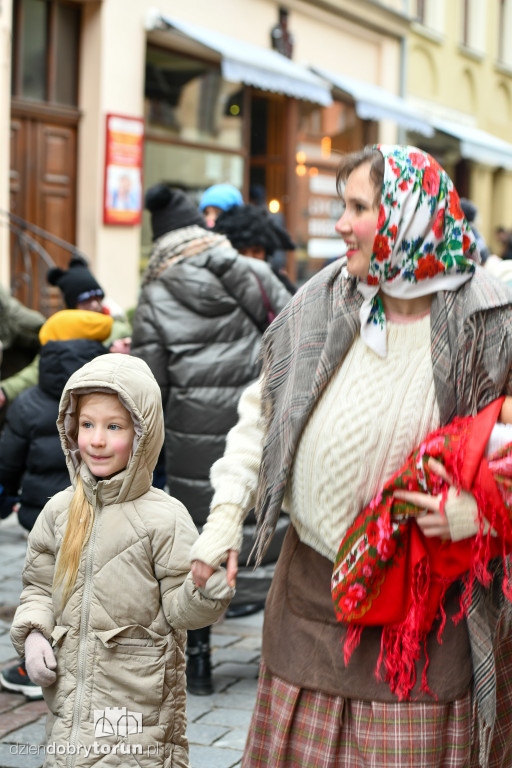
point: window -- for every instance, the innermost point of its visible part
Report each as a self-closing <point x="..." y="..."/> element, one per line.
<point x="505" y="32"/>
<point x="420" y="11"/>
<point x="429" y="13"/>
<point x="194" y="120"/>
<point x="187" y="100"/>
<point x="466" y="13"/>
<point x="473" y="24"/>
<point x="45" y="51"/>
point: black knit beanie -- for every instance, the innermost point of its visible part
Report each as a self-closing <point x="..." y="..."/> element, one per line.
<point x="170" y="209"/>
<point x="76" y="283"/>
<point x="248" y="226"/>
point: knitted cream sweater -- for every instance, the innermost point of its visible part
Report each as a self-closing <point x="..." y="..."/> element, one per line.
<point x="372" y="414"/>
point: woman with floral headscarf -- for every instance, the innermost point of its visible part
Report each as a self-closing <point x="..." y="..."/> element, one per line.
<point x="372" y="354"/>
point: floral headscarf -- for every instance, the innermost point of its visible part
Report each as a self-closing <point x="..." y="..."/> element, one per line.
<point x="423" y="242"/>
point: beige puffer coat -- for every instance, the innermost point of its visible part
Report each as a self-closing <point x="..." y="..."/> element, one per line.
<point x="119" y="640"/>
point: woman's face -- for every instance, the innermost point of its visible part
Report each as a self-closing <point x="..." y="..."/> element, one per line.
<point x="358" y="224"/>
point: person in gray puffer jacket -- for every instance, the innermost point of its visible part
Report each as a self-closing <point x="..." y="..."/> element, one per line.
<point x="201" y="313"/>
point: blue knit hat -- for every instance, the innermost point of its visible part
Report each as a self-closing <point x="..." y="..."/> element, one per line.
<point x="224" y="196"/>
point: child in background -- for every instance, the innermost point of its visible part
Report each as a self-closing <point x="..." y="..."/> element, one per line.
<point x="80" y="291"/>
<point x="107" y="591"/>
<point x="419" y="535"/>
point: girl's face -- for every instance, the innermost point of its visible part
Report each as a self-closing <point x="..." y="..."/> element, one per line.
<point x="105" y="434"/>
<point x="358" y="224"/>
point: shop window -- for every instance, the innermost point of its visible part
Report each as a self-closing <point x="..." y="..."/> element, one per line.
<point x="45" y="51"/>
<point x="191" y="168"/>
<point x="325" y="133"/>
<point x="187" y="100"/>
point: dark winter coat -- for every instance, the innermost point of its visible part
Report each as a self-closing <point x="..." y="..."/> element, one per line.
<point x="203" y="349"/>
<point x="31" y="456"/>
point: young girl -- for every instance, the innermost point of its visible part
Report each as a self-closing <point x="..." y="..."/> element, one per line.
<point x="107" y="591"/>
<point x="418" y="535"/>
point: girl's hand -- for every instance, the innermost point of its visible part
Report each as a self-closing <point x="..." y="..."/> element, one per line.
<point x="433" y="522"/>
<point x="40" y="660"/>
<point x="201" y="572"/>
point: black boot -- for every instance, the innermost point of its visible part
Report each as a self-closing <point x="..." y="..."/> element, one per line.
<point x="199" y="674"/>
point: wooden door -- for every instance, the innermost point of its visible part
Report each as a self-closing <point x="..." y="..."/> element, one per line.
<point x="43" y="192"/>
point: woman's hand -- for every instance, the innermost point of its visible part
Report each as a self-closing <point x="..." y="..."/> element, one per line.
<point x="434" y="522"/>
<point x="201" y="572"/>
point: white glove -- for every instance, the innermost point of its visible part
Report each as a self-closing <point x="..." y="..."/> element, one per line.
<point x="40" y="660"/>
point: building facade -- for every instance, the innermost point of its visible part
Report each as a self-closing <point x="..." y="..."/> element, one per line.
<point x="100" y="99"/>
<point x="460" y="74"/>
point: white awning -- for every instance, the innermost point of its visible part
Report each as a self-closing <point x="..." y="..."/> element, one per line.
<point x="375" y="103"/>
<point x="477" y="145"/>
<point x="242" y="62"/>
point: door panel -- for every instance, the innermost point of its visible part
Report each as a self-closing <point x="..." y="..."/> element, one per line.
<point x="55" y="183"/>
<point x="43" y="192"/>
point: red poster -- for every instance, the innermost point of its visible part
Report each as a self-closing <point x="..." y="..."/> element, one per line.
<point x="122" y="198"/>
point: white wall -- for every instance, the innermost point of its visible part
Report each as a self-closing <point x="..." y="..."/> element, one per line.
<point x="112" y="80"/>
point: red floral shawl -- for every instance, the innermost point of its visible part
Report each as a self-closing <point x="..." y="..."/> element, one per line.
<point x="388" y="573"/>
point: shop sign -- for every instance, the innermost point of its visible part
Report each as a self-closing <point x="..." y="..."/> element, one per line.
<point x="122" y="197"/>
<point x="324" y="210"/>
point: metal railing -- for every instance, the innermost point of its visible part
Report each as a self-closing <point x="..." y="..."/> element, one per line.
<point x="30" y="261"/>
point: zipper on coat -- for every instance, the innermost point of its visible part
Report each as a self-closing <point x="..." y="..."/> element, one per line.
<point x="83" y="636"/>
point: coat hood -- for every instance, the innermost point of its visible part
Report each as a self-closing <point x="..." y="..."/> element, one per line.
<point x="131" y="379"/>
<point x="59" y="359"/>
<point x="216" y="281"/>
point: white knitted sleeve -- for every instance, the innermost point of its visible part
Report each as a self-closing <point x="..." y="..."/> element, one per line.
<point x="234" y="478"/>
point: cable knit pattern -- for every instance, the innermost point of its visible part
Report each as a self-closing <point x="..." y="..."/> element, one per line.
<point x="388" y="406"/>
<point x="370" y="417"/>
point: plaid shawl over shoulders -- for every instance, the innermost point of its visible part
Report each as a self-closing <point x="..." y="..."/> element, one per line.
<point x="471" y="343"/>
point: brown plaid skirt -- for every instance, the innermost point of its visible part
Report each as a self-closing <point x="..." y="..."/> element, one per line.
<point x="295" y="727"/>
<point x="303" y="725"/>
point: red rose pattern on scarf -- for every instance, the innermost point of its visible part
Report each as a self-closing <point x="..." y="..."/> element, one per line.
<point x="423" y="242"/>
